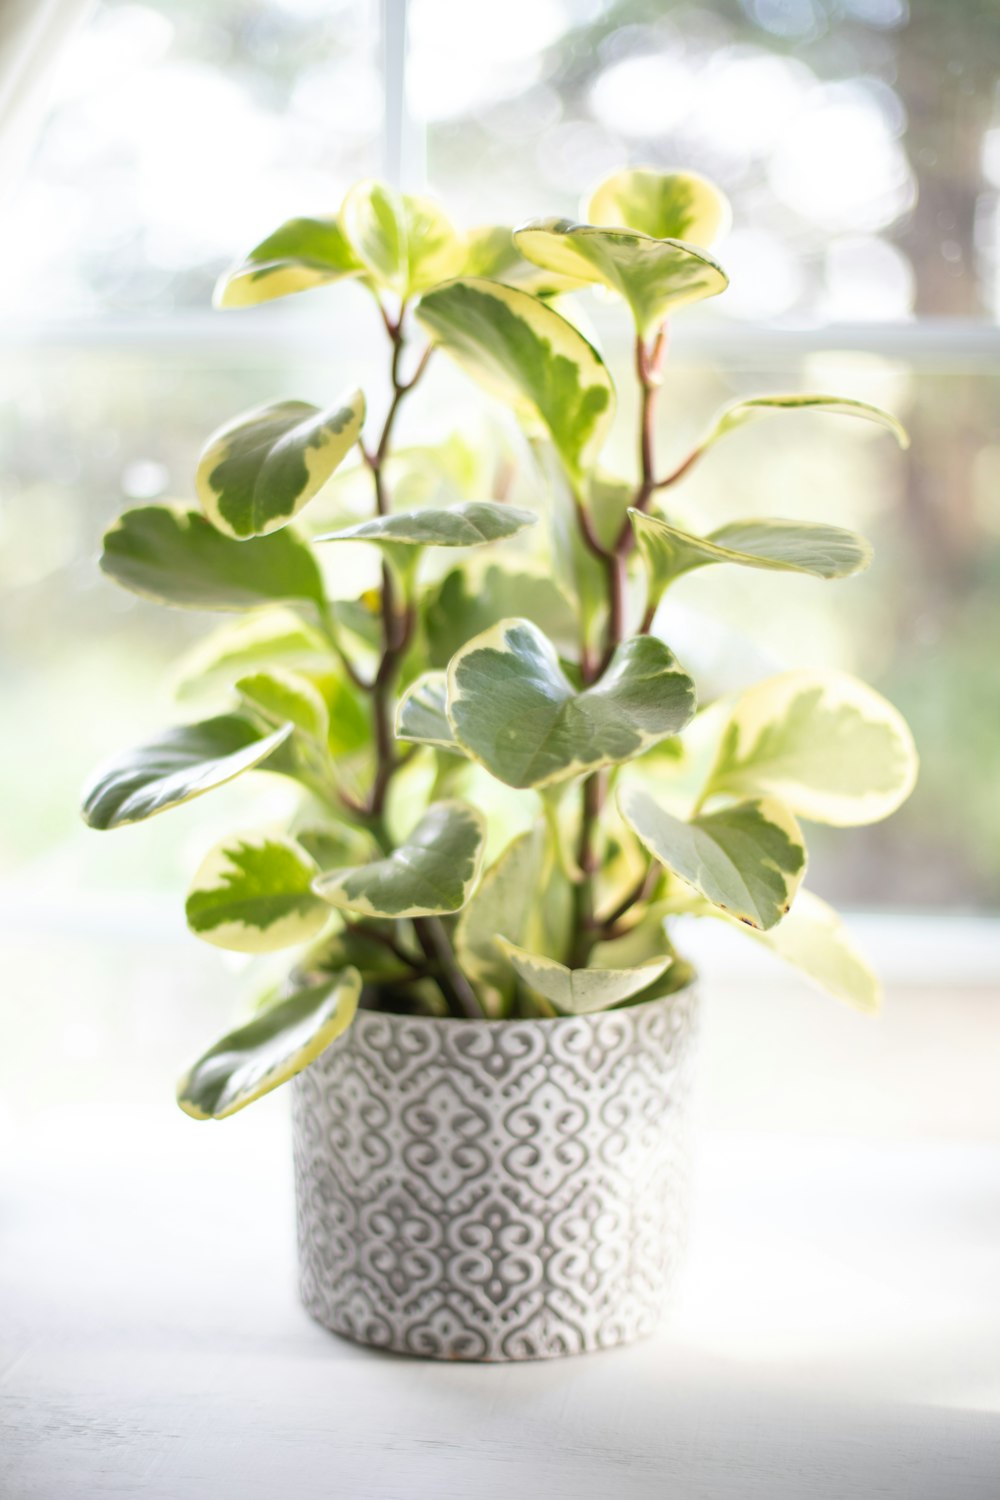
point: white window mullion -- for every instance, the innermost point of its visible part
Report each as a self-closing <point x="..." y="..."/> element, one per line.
<point x="404" y="144"/>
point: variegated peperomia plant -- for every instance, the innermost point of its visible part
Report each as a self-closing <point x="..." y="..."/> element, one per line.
<point x="414" y="878"/>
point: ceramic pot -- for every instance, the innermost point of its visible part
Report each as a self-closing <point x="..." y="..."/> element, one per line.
<point x="495" y="1190"/>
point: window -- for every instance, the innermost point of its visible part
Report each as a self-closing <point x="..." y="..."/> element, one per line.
<point x="860" y="142"/>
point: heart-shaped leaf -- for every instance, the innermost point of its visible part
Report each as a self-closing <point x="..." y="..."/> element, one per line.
<point x="654" y="276"/>
<point x="467" y="525"/>
<point x="286" y="697"/>
<point x="748" y="410"/>
<point x="176" y="766"/>
<point x="170" y="553"/>
<point x="513" y="709"/>
<point x="422" y="714"/>
<point x="270" y="637"/>
<point x="485" y="590"/>
<point x="257" y="472"/>
<point x="406" y="243"/>
<point x="523" y="352"/>
<point x="490" y="252"/>
<point x="303" y="253"/>
<point x="814" y="940"/>
<point x="664" y="205"/>
<point x="270" y="1049"/>
<point x="829" y="746"/>
<point x="431" y="873"/>
<point x="580" y="992"/>
<point x="510" y="898"/>
<point x="254" y="894"/>
<point x="784" y="546"/>
<point x="748" y="859"/>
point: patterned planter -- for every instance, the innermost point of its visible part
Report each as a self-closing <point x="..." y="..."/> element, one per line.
<point x="495" y="1190"/>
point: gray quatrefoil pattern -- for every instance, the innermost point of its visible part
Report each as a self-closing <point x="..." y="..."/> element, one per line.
<point x="495" y="1190"/>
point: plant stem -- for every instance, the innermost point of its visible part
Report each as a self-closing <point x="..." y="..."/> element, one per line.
<point x="648" y="366"/>
<point x="397" y="624"/>
<point x="591" y="802"/>
<point x="641" y="891"/>
<point x="456" y="989"/>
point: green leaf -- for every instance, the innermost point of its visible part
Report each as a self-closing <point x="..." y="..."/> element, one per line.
<point x="829" y="746"/>
<point x="254" y="894"/>
<point x="257" y="472"/>
<point x="176" y="766"/>
<point x="748" y="859"/>
<point x="490" y="252"/>
<point x="406" y="243"/>
<point x="508" y="899"/>
<point x="664" y="205"/>
<point x="434" y="248"/>
<point x="278" y="1043"/>
<point x="359" y="949"/>
<point x="523" y="352"/>
<point x="783" y="546"/>
<point x="742" y="412"/>
<point x="484" y="591"/>
<point x="270" y="637"/>
<point x="286" y="697"/>
<point x="467" y="525"/>
<point x="513" y="709"/>
<point x="433" y="872"/>
<point x="813" y="939"/>
<point x="303" y="253"/>
<point x="580" y="992"/>
<point x="422" y="713"/>
<point x="655" y="276"/>
<point x="170" y="553"/>
<point x="336" y="844"/>
<point x="584" y="576"/>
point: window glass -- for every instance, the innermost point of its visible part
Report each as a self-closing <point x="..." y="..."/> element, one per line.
<point x="181" y="132"/>
<point x="87" y="668"/>
<point x="858" y="139"/>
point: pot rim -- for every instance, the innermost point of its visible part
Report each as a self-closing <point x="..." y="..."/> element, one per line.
<point x="561" y="1020"/>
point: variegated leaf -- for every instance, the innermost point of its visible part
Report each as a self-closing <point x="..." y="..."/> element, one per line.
<point x="174" y="767"/>
<point x="485" y="590"/>
<point x="431" y="873"/>
<point x="523" y="352"/>
<point x="509" y="899"/>
<point x="664" y="205"/>
<point x="466" y="525"/>
<point x="490" y="252"/>
<point x="258" y="471"/>
<point x="655" y="276"/>
<point x="278" y="1043"/>
<point x="748" y="859"/>
<point x="783" y="546"/>
<point x="405" y="243"/>
<point x="172" y="554"/>
<point x="286" y="697"/>
<point x="253" y="894"/>
<point x="422" y="713"/>
<point x="814" y="940"/>
<point x="355" y="948"/>
<point x="752" y="407"/>
<point x="828" y="745"/>
<point x="580" y="992"/>
<point x="270" y="637"/>
<point x="302" y="253"/>
<point x="513" y="709"/>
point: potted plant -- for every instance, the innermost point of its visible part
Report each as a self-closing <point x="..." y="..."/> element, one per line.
<point x="510" y="788"/>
